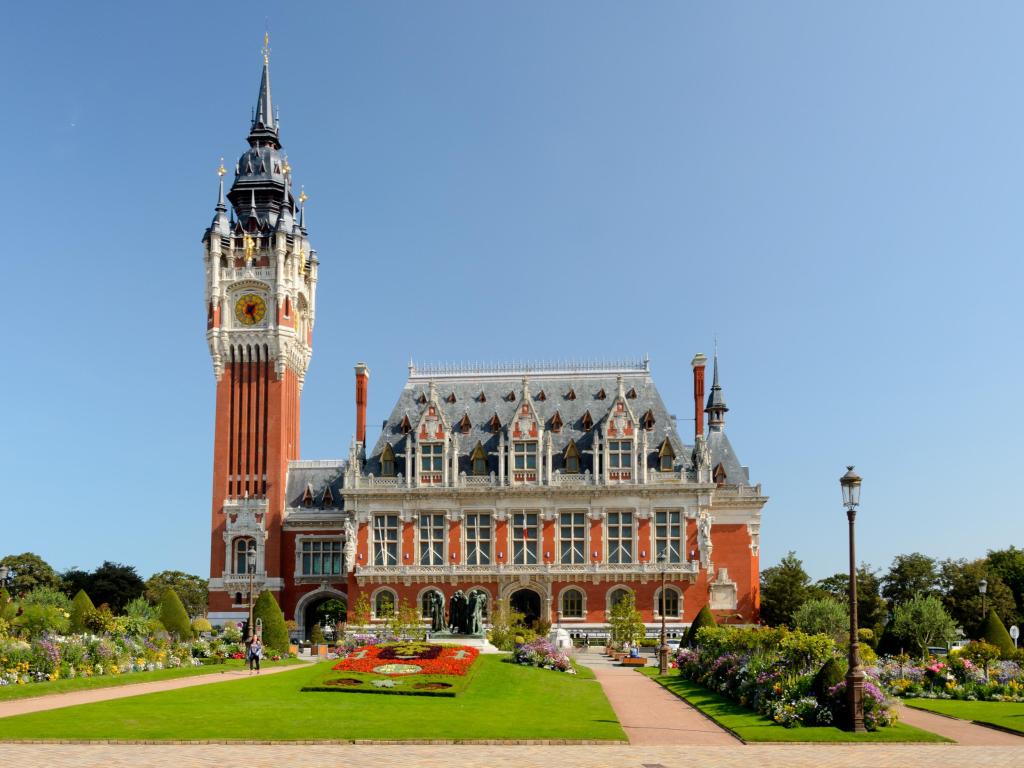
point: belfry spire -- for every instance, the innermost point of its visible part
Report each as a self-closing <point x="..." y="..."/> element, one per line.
<point x="264" y="125"/>
<point x="716" y="407"/>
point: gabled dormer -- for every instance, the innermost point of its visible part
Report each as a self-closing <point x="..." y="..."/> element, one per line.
<point x="620" y="439"/>
<point x="431" y="434"/>
<point x="525" y="433"/>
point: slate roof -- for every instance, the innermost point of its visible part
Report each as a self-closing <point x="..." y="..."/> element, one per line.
<point x="317" y="477"/>
<point x="550" y="392"/>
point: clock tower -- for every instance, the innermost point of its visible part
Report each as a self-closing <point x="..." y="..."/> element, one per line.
<point x="261" y="276"/>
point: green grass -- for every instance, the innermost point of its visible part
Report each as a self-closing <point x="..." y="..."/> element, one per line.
<point x="504" y="701"/>
<point x="752" y="727"/>
<point x="33" y="690"/>
<point x="1004" y="714"/>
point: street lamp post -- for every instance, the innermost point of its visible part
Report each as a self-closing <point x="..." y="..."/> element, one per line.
<point x="251" y="563"/>
<point x="7" y="577"/>
<point x="850" y="483"/>
<point x="983" y="589"/>
<point x="663" y="650"/>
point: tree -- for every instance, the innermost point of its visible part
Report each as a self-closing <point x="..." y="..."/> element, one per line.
<point x="922" y="622"/>
<point x="1008" y="564"/>
<point x="705" y="618"/>
<point x="993" y="631"/>
<point x="275" y="634"/>
<point x="981" y="653"/>
<point x="81" y="608"/>
<point x="959" y="580"/>
<point x="871" y="608"/>
<point x="406" y="622"/>
<point x="173" y="615"/>
<point x="909" y="575"/>
<point x="823" y="616"/>
<point x="115" y="584"/>
<point x="360" y="613"/>
<point x="784" y="588"/>
<point x="193" y="590"/>
<point x="627" y="625"/>
<point x="75" y="580"/>
<point x="30" y="571"/>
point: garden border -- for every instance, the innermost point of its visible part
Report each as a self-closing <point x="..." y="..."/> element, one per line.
<point x="653" y="675"/>
<point x="368" y="742"/>
<point x="983" y="724"/>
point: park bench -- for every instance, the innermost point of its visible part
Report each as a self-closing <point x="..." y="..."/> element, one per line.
<point x="629" y="661"/>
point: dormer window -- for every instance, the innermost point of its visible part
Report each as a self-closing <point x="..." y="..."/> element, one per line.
<point x="387" y="461"/>
<point x="525" y="455"/>
<point x="631" y="395"/>
<point x="465" y="424"/>
<point x="307" y="496"/>
<point x="572" y="458"/>
<point x="450" y="398"/>
<point x="328" y="498"/>
<point x="587" y="422"/>
<point x="495" y="423"/>
<point x="601" y="394"/>
<point x="479" y="460"/>
<point x="718" y="475"/>
<point x="570" y="395"/>
<point x="647" y="420"/>
<point x="406" y="426"/>
<point x="431" y="457"/>
<point x="556" y="422"/>
<point x="541" y="397"/>
<point x="666" y="456"/>
<point x="620" y="454"/>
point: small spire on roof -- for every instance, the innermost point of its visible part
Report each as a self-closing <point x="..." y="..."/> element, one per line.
<point x="716" y="407"/>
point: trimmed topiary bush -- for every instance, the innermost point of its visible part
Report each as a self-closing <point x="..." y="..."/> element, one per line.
<point x="993" y="631"/>
<point x="316" y="637"/>
<point x="173" y="615"/>
<point x="81" y="609"/>
<point x="704" y="619"/>
<point x="201" y="625"/>
<point x="832" y="673"/>
<point x="275" y="634"/>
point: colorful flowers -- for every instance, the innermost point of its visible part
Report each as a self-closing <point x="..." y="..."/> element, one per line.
<point x="386" y="659"/>
<point x="542" y="653"/>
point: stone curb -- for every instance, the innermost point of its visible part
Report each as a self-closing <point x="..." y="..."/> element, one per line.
<point x="362" y="742"/>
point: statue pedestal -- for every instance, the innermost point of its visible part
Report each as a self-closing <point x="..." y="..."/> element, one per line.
<point x="560" y="639"/>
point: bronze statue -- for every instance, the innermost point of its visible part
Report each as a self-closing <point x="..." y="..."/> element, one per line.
<point x="457" y="612"/>
<point x="436" y="605"/>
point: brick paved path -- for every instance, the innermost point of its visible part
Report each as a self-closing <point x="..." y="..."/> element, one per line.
<point x="58" y="700"/>
<point x="477" y="756"/>
<point x="961" y="731"/>
<point x="650" y="715"/>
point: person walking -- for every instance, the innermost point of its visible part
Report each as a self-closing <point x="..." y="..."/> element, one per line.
<point x="255" y="654"/>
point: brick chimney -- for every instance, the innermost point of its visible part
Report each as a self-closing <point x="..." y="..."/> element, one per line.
<point x="698" y="363"/>
<point x="362" y="384"/>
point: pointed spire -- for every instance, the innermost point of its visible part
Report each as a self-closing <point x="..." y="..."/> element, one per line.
<point x="716" y="407"/>
<point x="264" y="126"/>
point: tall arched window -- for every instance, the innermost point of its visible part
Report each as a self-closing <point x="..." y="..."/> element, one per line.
<point x="572" y="458"/>
<point x="671" y="603"/>
<point x="572" y="604"/>
<point x="479" y="459"/>
<point x="243" y="546"/>
<point x="387" y="461"/>
<point x="384" y="604"/>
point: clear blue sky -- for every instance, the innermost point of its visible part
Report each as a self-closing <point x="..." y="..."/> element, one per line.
<point x="832" y="189"/>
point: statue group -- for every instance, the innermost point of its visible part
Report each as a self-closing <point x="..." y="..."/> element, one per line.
<point x="465" y="613"/>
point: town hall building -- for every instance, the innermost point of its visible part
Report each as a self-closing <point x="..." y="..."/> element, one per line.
<point x="551" y="487"/>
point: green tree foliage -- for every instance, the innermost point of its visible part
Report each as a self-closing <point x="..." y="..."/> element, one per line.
<point x="406" y="622"/>
<point x="30" y="571"/>
<point x="993" y="631"/>
<point x="193" y="590"/>
<point x="823" y="616"/>
<point x="784" y="588"/>
<point x="959" y="581"/>
<point x="75" y="580"/>
<point x="36" y="618"/>
<point x="8" y="608"/>
<point x="705" y="618"/>
<point x="275" y="634"/>
<point x="982" y="654"/>
<point x="331" y="612"/>
<point x="201" y="625"/>
<point x="173" y="615"/>
<point x="46" y="595"/>
<point x="832" y="673"/>
<point x="360" y="613"/>
<point x="1008" y="564"/>
<point x="922" y="622"/>
<point x="81" y="608"/>
<point x="316" y="637"/>
<point x="506" y="625"/>
<point x="627" y="625"/>
<point x="909" y="576"/>
<point x="871" y="608"/>
<point x="115" y="584"/>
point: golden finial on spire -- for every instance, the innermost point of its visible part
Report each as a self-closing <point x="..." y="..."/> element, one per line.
<point x="266" y="47"/>
<point x="285" y="166"/>
<point x="220" y="169"/>
<point x="250" y="247"/>
<point x="303" y="197"/>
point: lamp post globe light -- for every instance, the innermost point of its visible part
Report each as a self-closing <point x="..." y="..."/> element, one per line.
<point x="983" y="591"/>
<point x="663" y="648"/>
<point x="7" y="575"/>
<point x="850" y="483"/>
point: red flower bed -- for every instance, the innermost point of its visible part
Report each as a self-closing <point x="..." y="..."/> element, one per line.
<point x="452" y="660"/>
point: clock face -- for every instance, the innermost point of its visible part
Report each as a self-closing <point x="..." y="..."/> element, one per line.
<point x="250" y="309"/>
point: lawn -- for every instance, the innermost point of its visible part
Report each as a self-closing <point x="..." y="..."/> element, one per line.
<point x="1004" y="714"/>
<point x="34" y="690"/>
<point x="503" y="701"/>
<point x="752" y="727"/>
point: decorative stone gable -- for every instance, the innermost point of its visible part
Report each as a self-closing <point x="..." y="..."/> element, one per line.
<point x="526" y="433"/>
<point x="620" y="428"/>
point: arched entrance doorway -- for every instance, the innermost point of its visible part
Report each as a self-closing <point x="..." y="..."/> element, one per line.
<point x="326" y="610"/>
<point x="526" y="602"/>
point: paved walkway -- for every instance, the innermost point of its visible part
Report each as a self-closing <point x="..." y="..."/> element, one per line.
<point x="649" y="714"/>
<point x="59" y="700"/>
<point x="479" y="756"/>
<point x="961" y="731"/>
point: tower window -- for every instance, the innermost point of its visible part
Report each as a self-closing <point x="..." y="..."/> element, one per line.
<point x="242" y="548"/>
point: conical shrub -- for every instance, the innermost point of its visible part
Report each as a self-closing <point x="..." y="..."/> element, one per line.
<point x="993" y="631"/>
<point x="173" y="615"/>
<point x="704" y="619"/>
<point x="275" y="633"/>
<point x="81" y="609"/>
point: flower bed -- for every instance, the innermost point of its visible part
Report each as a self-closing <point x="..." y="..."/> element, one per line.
<point x="542" y="653"/>
<point x="954" y="677"/>
<point x="393" y="659"/>
<point x="771" y="671"/>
